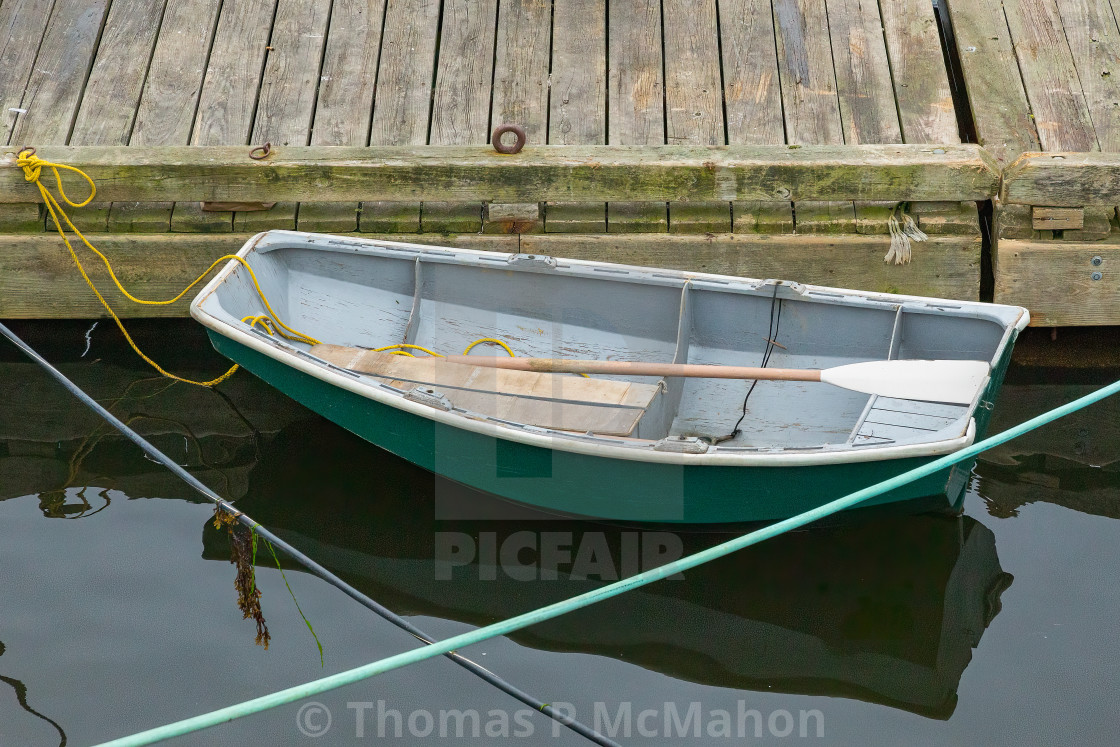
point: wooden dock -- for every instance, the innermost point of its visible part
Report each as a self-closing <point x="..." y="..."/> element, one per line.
<point x="753" y="121"/>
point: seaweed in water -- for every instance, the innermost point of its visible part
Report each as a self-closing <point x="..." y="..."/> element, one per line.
<point x="243" y="555"/>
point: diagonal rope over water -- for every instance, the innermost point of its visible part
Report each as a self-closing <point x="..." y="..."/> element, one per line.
<point x="292" y="694"/>
<point x="313" y="567"/>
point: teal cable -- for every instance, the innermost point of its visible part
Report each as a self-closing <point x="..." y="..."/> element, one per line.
<point x="349" y="677"/>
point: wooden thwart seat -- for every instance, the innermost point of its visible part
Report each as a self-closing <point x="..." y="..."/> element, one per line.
<point x="546" y="400"/>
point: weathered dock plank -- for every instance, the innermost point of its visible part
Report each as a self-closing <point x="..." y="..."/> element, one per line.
<point x="461" y="100"/>
<point x="636" y="100"/>
<point x="58" y="77"/>
<point x="947" y="268"/>
<point x="289" y="87"/>
<point x="522" y="53"/>
<point x="1063" y="284"/>
<point x="345" y="105"/>
<point x="810" y="99"/>
<point x="921" y="82"/>
<point x="229" y="95"/>
<point x="112" y="93"/>
<point x="1004" y="124"/>
<point x="31" y="263"/>
<point x="1046" y="65"/>
<point x="402" y="102"/>
<point x="22" y="24"/>
<point x="686" y="173"/>
<point x="752" y="100"/>
<point x="169" y="99"/>
<point x="694" y="101"/>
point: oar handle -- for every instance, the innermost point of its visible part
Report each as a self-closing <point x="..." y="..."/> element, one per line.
<point x="637" y="368"/>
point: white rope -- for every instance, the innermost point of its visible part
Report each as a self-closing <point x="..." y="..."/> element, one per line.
<point x="902" y="233"/>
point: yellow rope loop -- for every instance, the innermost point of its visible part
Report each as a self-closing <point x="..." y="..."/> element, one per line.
<point x="492" y="341"/>
<point x="406" y="346"/>
<point x="32" y="167"/>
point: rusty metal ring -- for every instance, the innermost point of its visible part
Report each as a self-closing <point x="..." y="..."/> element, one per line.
<point x="26" y="149"/>
<point x="261" y="152"/>
<point x="519" y="133"/>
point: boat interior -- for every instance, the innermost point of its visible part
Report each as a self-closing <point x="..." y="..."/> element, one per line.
<point x="357" y="295"/>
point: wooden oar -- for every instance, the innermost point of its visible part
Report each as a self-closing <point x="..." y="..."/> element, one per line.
<point x="957" y="382"/>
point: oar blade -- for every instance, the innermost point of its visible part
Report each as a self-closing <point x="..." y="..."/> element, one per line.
<point x="957" y="382"/>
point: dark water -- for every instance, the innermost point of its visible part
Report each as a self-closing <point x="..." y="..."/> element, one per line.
<point x="118" y="610"/>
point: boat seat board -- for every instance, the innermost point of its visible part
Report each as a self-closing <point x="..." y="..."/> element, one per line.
<point x="563" y="402"/>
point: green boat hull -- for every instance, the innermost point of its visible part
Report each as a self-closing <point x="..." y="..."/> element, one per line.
<point x="605" y="488"/>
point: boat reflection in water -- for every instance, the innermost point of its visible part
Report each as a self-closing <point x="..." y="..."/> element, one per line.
<point x="886" y="611"/>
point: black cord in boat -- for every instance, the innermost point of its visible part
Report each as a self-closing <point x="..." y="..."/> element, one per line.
<point x="312" y="566"/>
<point x="771" y="343"/>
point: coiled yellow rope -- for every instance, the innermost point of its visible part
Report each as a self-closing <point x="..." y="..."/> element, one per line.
<point x="32" y="167"/>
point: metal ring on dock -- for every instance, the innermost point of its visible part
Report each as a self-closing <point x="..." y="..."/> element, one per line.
<point x="26" y="151"/>
<point x="261" y="152"/>
<point x="517" y="130"/>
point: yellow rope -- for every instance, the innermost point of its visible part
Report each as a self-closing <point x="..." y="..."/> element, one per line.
<point x="32" y="167"/>
<point x="490" y="340"/>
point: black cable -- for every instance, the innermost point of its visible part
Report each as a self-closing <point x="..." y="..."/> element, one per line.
<point x="771" y="337"/>
<point x="312" y="566"/>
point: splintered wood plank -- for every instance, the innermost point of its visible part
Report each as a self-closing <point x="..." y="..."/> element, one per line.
<point x="694" y="100"/>
<point x="61" y="67"/>
<point x="1046" y="63"/>
<point x="229" y="91"/>
<point x="112" y="92"/>
<point x="1090" y="29"/>
<point x="578" y="99"/>
<point x="286" y="102"/>
<point x="346" y="88"/>
<point x="917" y="66"/>
<point x="991" y="74"/>
<point x="522" y="51"/>
<point x="461" y="100"/>
<point x="22" y="25"/>
<point x="1028" y="272"/>
<point x="169" y="99"/>
<point x="752" y="99"/>
<point x="402" y="103"/>
<point x="636" y="96"/>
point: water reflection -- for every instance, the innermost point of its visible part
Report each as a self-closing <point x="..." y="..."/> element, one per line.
<point x="1073" y="462"/>
<point x="20" y="690"/>
<point x="886" y="611"/>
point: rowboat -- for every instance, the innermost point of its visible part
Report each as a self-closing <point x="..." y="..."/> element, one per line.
<point x="350" y="328"/>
